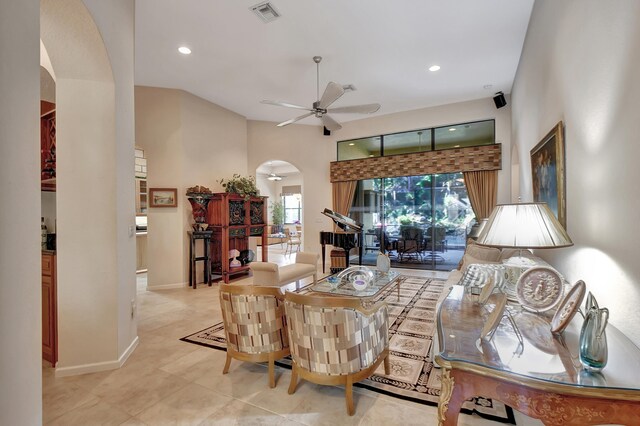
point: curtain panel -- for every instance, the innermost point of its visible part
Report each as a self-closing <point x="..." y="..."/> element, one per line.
<point x="482" y="187"/>
<point x="342" y="194"/>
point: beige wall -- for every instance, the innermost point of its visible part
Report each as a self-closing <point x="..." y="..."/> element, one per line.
<point x="20" y="294"/>
<point x="94" y="200"/>
<point x="188" y="141"/>
<point x="306" y="148"/>
<point x="580" y="64"/>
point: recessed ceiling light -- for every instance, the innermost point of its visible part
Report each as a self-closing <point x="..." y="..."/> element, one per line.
<point x="184" y="50"/>
<point x="456" y="146"/>
<point x="434" y="68"/>
<point x="452" y="129"/>
<point x="370" y="155"/>
<point x="351" y="144"/>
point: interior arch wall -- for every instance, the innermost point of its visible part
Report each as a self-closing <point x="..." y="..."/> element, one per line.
<point x="20" y="279"/>
<point x="94" y="283"/>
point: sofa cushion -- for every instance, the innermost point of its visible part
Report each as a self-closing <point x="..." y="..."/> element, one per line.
<point x="295" y="272"/>
<point x="468" y="259"/>
<point x="479" y="252"/>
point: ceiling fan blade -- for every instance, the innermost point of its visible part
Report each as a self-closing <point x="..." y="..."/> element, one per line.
<point x="330" y="123"/>
<point x="285" y="104"/>
<point x="359" y="109"/>
<point x="331" y="94"/>
<point x="293" y="120"/>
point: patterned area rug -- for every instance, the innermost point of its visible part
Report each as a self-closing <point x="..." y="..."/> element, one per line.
<point x="413" y="376"/>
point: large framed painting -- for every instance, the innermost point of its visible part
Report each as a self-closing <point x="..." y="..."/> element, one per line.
<point x="548" y="172"/>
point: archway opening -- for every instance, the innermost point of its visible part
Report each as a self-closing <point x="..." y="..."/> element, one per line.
<point x="282" y="182"/>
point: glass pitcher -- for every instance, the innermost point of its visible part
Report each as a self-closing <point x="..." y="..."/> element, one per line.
<point x="593" y="339"/>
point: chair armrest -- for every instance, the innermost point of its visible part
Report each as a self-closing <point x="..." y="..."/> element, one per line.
<point x="265" y="273"/>
<point x="308" y="258"/>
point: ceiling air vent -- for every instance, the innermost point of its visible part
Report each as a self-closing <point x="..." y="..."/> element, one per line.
<point x="265" y="11"/>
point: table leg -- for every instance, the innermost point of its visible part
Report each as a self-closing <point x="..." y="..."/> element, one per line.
<point x="191" y="262"/>
<point x="450" y="401"/>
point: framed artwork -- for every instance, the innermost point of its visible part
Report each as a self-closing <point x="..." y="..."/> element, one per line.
<point x="163" y="197"/>
<point x="548" y="172"/>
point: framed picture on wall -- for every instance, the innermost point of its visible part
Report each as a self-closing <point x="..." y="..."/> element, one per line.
<point x="548" y="172"/>
<point x="163" y="197"/>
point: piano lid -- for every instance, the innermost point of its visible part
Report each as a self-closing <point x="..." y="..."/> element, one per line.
<point x="344" y="222"/>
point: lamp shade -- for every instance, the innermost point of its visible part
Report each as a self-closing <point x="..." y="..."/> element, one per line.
<point x="523" y="225"/>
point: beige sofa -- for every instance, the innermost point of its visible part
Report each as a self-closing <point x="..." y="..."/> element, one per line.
<point x="270" y="274"/>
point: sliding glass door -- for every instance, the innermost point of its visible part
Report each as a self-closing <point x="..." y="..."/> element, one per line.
<point x="421" y="221"/>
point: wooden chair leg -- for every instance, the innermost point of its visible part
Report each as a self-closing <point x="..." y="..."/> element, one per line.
<point x="294" y="379"/>
<point x="348" y="392"/>
<point x="272" y="372"/>
<point x="227" y="364"/>
<point x="387" y="367"/>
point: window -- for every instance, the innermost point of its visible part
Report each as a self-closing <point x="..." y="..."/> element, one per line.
<point x="468" y="134"/>
<point x="292" y="208"/>
<point x="359" y="148"/>
<point x="421" y="221"/>
<point x="407" y="142"/>
<point x="292" y="203"/>
<point x="445" y="137"/>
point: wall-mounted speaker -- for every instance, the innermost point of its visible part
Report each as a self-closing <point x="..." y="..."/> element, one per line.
<point x="499" y="100"/>
<point x="326" y="131"/>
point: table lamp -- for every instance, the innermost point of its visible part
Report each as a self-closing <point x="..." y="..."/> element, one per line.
<point x="523" y="226"/>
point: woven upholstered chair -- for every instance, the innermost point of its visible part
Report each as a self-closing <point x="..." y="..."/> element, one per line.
<point x="254" y="325"/>
<point x="334" y="340"/>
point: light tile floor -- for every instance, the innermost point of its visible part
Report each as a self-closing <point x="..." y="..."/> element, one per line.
<point x="166" y="381"/>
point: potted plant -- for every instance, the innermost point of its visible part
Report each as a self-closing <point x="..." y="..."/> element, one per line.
<point x="277" y="217"/>
<point x="245" y="186"/>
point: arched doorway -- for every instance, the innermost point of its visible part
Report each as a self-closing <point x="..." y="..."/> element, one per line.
<point x="282" y="182"/>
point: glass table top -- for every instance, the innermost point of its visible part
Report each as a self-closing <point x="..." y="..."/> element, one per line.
<point x="542" y="356"/>
<point x="344" y="288"/>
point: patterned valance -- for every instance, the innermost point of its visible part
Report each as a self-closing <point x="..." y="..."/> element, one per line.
<point x="468" y="159"/>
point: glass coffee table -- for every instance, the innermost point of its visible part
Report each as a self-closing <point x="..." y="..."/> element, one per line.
<point x="541" y="376"/>
<point x="381" y="282"/>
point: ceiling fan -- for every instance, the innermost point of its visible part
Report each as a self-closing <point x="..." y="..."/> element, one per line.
<point x="274" y="176"/>
<point x="320" y="107"/>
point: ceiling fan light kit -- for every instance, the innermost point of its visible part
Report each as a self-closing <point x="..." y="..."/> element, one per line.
<point x="320" y="108"/>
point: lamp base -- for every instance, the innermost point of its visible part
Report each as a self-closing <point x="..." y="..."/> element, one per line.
<point x="520" y="261"/>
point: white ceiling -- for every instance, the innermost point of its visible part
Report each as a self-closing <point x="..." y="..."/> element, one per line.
<point x="383" y="48"/>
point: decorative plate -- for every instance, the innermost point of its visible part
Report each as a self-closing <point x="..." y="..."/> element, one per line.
<point x="568" y="307"/>
<point x="539" y="289"/>
<point x="494" y="318"/>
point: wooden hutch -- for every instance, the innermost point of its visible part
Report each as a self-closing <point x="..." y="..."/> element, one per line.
<point x="233" y="219"/>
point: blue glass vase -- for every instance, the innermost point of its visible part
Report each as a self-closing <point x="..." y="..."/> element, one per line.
<point x="593" y="339"/>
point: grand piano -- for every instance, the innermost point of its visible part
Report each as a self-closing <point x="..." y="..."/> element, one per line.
<point x="351" y="236"/>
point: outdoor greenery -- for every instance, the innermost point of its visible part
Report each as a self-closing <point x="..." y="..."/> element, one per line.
<point x="245" y="186"/>
<point x="277" y="213"/>
<point x="409" y="200"/>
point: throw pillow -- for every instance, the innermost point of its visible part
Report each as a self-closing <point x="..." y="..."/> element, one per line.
<point x="477" y="275"/>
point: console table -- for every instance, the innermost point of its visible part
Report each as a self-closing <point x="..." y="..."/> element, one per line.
<point x="542" y="377"/>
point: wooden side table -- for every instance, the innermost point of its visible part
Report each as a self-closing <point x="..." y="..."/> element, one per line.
<point x="194" y="236"/>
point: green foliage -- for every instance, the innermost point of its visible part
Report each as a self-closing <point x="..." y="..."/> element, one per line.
<point x="245" y="186"/>
<point x="277" y="213"/>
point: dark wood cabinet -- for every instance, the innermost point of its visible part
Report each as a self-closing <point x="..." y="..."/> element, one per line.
<point x="49" y="309"/>
<point x="47" y="146"/>
<point x="232" y="220"/>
